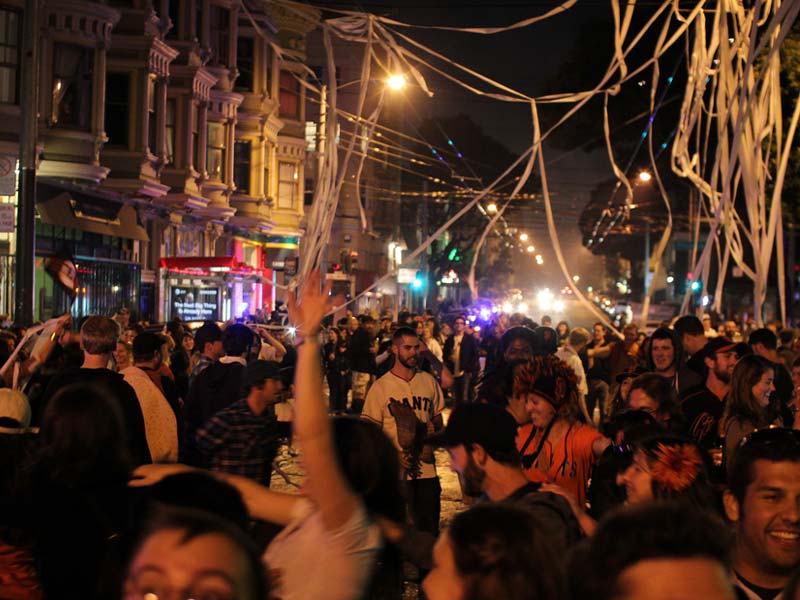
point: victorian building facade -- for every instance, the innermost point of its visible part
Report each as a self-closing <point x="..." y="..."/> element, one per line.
<point x="171" y="151"/>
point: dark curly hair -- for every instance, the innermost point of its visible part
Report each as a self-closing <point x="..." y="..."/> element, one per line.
<point x="528" y="379"/>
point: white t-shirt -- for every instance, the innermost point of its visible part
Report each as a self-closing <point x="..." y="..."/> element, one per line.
<point x="569" y="356"/>
<point x="422" y="393"/>
<point x="313" y="562"/>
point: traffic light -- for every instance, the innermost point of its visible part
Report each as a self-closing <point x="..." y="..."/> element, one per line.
<point x="419" y="281"/>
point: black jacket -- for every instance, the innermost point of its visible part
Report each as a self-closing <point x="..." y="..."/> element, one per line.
<point x="119" y="390"/>
<point x="469" y="354"/>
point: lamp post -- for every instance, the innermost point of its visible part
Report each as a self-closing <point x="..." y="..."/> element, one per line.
<point x="26" y="214"/>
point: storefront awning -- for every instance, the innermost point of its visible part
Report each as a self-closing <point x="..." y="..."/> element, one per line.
<point x="207" y="264"/>
<point x="96" y="215"/>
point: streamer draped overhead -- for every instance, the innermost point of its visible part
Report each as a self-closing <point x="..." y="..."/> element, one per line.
<point x="730" y="124"/>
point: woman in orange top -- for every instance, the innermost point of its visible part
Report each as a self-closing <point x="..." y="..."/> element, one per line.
<point x="558" y="447"/>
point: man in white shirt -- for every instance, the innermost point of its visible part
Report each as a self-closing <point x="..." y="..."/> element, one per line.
<point x="408" y="404"/>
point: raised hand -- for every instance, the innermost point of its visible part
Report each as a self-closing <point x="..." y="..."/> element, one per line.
<point x="307" y="311"/>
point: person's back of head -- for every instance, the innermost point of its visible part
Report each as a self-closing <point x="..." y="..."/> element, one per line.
<point x="201" y="490"/>
<point x="82" y="437"/>
<point x="764" y="336"/>
<point x="237" y="339"/>
<point x="499" y="551"/>
<point x="786" y="336"/>
<point x="99" y="335"/>
<point x="579" y="337"/>
<point x="208" y="333"/>
<point x="634" y="546"/>
<point x="688" y="325"/>
<point x="373" y="474"/>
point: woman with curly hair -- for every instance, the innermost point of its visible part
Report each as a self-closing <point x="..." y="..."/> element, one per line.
<point x="557" y="447"/>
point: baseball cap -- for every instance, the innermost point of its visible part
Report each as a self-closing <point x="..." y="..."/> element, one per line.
<point x="146" y="344"/>
<point x="258" y="371"/>
<point x="14" y="407"/>
<point x="485" y="424"/>
<point x="716" y="345"/>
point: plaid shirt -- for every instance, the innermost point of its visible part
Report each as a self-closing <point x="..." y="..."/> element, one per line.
<point x="239" y="442"/>
<point x="202" y="363"/>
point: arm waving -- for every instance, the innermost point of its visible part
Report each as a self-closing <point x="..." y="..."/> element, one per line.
<point x="325" y="485"/>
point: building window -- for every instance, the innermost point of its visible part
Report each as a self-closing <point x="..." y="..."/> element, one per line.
<point x="72" y="86"/>
<point x="215" y="151"/>
<point x="220" y="35"/>
<point x="241" y="167"/>
<point x="245" y="62"/>
<point x="10" y="24"/>
<point x="198" y="151"/>
<point x="152" y="116"/>
<point x="289" y="96"/>
<point x="169" y="133"/>
<point x="118" y="89"/>
<point x="174" y="16"/>
<point x="287" y="185"/>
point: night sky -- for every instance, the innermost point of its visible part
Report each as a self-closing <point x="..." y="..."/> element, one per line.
<point x="529" y="60"/>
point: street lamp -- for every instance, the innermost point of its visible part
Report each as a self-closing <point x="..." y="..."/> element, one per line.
<point x="531" y="249"/>
<point x="396" y="82"/>
<point x="491" y="207"/>
<point x="523" y="237"/>
<point x="645" y="176"/>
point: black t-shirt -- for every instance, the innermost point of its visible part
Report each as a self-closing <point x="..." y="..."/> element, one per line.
<point x="119" y="391"/>
<point x="761" y="592"/>
<point x="702" y="410"/>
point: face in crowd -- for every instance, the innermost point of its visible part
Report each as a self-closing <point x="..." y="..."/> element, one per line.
<point x="206" y="566"/>
<point x="458" y="326"/>
<point x="722" y="364"/>
<point x="663" y="353"/>
<point x="406" y="350"/>
<point x="768" y="518"/>
<point x="540" y="410"/>
<point x="764" y="387"/>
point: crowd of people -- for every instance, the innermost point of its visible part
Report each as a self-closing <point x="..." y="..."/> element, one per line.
<point x="137" y="463"/>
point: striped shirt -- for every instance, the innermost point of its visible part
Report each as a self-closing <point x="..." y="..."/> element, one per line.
<point x="237" y="441"/>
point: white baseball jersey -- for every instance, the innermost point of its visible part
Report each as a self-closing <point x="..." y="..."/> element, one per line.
<point x="422" y="393"/>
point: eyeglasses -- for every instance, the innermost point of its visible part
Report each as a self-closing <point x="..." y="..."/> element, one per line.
<point x="772" y="436"/>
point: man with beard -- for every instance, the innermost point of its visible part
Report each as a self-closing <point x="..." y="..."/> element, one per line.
<point x="407" y="404"/>
<point x="480" y="439"/>
<point x="703" y="405"/>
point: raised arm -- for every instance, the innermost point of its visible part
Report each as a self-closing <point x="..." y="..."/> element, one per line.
<point x="325" y="484"/>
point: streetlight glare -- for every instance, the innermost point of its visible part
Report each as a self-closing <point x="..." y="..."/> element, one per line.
<point x="523" y="237"/>
<point x="645" y="176"/>
<point x="531" y="249"/>
<point x="396" y="82"/>
<point x="491" y="207"/>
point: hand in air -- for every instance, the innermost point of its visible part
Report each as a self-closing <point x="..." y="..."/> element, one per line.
<point x="306" y="312"/>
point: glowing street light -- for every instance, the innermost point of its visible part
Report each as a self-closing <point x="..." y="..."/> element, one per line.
<point x="531" y="249"/>
<point x="645" y="176"/>
<point x="491" y="207"/>
<point x="576" y="278"/>
<point x="396" y="82"/>
<point x="523" y="237"/>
